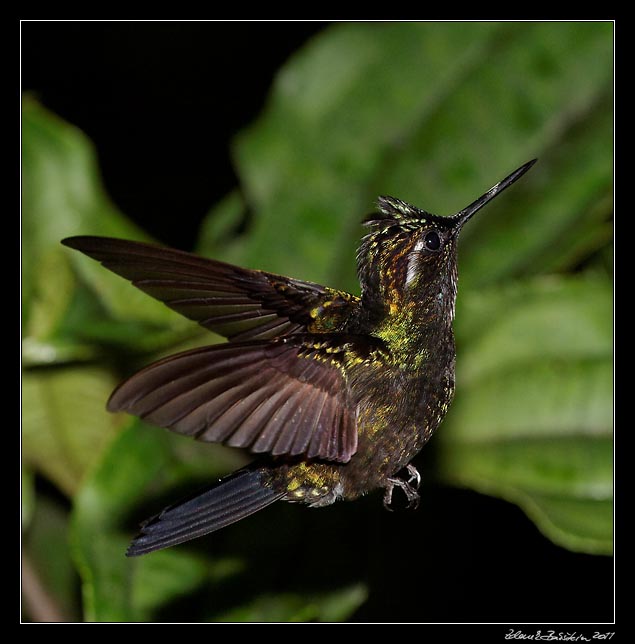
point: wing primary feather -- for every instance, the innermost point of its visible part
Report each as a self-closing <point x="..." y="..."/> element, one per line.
<point x="174" y="371"/>
<point x="258" y="422"/>
<point x="288" y="429"/>
<point x="208" y="417"/>
<point x="188" y="395"/>
<point x="308" y="423"/>
<point x="328" y="420"/>
<point x="248" y="407"/>
<point x="277" y="424"/>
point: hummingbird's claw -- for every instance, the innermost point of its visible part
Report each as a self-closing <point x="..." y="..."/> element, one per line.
<point x="414" y="476"/>
<point x="411" y="493"/>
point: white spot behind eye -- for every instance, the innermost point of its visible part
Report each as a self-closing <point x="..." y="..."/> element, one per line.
<point x="413" y="261"/>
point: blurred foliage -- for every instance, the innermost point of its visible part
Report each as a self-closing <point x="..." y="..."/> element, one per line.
<point x="434" y="114"/>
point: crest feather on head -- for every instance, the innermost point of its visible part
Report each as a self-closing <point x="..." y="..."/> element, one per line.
<point x="395" y="212"/>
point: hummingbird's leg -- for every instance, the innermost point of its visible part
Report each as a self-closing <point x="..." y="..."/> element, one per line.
<point x="414" y="476"/>
<point x="411" y="493"/>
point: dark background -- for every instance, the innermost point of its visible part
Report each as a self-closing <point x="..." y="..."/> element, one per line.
<point x="161" y="102"/>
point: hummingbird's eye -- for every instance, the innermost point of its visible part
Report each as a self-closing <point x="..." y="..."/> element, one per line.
<point x="432" y="240"/>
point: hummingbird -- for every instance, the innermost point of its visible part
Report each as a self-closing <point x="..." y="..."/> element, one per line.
<point x="335" y="393"/>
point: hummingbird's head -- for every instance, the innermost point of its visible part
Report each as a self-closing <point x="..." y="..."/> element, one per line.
<point x="410" y="254"/>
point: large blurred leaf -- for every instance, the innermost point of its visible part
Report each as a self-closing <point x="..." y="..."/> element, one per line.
<point x="434" y="113"/>
<point x="63" y="196"/>
<point x="519" y="322"/>
<point x="65" y="425"/>
<point x="533" y="420"/>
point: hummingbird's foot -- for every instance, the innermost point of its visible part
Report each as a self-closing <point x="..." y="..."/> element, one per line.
<point x="411" y="493"/>
<point x="414" y="476"/>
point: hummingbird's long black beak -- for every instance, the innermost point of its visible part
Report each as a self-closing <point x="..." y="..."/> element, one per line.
<point x="474" y="207"/>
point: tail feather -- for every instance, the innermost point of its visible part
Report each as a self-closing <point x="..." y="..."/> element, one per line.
<point x="232" y="499"/>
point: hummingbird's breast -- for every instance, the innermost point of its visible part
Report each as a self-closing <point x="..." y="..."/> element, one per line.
<point x="401" y="389"/>
<point x="397" y="413"/>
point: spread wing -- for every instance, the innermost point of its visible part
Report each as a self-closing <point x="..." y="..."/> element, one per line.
<point x="285" y="396"/>
<point x="237" y="303"/>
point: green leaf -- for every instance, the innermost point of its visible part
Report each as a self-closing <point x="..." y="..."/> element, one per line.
<point x="27" y="495"/>
<point x="50" y="581"/>
<point x="63" y="196"/>
<point x="168" y="575"/>
<point x="335" y="606"/>
<point x="65" y="425"/>
<point x="434" y="113"/>
<point x="579" y="524"/>
<point x="218" y="235"/>
<point x="116" y="588"/>
<point x="549" y="317"/>
<point x="142" y="462"/>
<point x="53" y="287"/>
<point x="533" y="416"/>
<point x="552" y="223"/>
